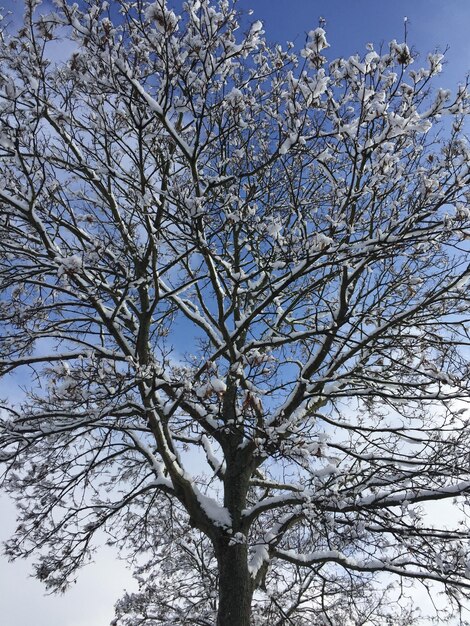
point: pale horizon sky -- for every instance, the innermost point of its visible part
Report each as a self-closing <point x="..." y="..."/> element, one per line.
<point x="350" y="25"/>
<point x="89" y="602"/>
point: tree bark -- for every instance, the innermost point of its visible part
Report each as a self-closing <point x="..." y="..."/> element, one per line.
<point x="235" y="586"/>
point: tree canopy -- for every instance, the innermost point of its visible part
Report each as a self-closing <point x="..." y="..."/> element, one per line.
<point x="234" y="286"/>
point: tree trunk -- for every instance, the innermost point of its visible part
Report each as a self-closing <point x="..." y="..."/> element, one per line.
<point x="235" y="586"/>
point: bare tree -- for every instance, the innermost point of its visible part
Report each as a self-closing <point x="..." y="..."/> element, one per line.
<point x="235" y="280"/>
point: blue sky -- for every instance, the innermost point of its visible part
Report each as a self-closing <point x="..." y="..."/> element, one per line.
<point x="350" y="24"/>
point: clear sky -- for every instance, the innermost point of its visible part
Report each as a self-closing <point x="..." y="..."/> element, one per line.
<point x="350" y="24"/>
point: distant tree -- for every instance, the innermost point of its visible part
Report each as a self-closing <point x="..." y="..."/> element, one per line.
<point x="234" y="291"/>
